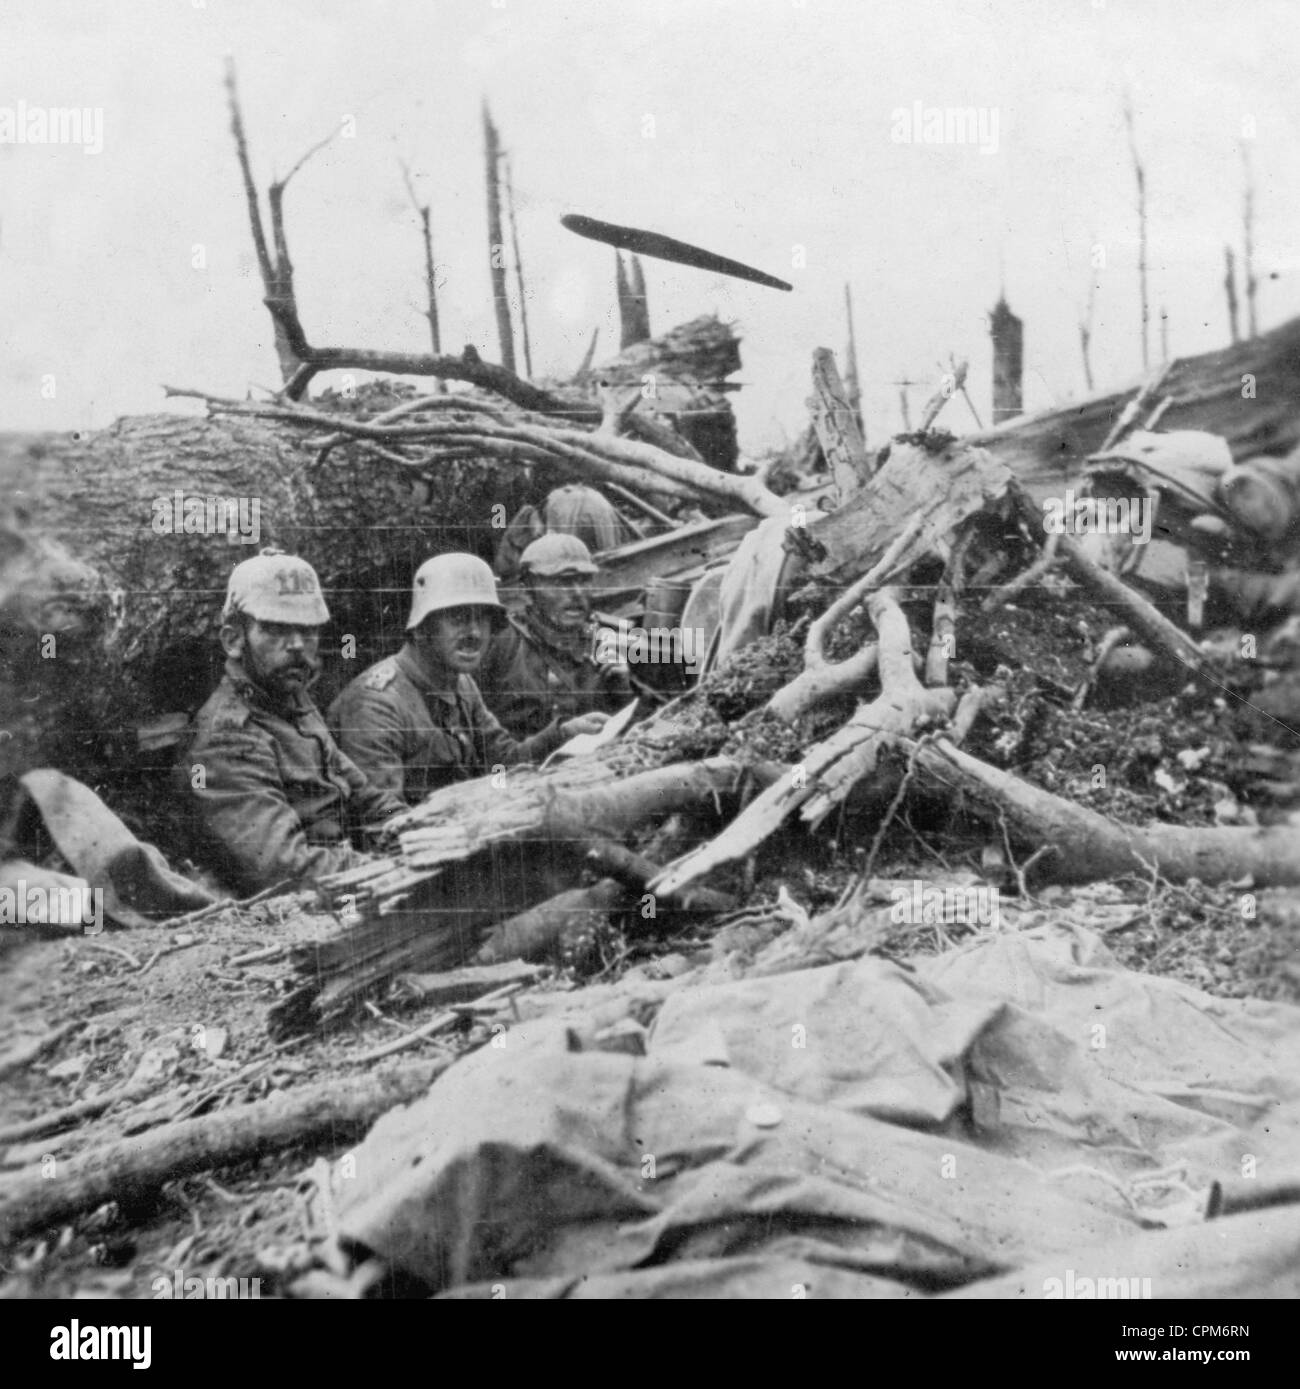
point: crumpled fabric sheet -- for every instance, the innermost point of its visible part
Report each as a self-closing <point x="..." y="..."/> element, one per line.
<point x="748" y="591"/>
<point x="856" y="1130"/>
<point x="138" y="884"/>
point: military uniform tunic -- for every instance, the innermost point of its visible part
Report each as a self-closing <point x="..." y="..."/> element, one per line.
<point x="410" y="737"/>
<point x="275" y="798"/>
<point x="528" y="678"/>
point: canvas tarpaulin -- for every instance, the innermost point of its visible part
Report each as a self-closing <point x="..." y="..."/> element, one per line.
<point x="859" y="1129"/>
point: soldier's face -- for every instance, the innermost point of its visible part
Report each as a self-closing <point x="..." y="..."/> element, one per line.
<point x="563" y="600"/>
<point x="283" y="659"/>
<point x="455" y="639"/>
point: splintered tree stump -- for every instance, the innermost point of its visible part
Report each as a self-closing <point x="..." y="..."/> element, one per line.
<point x="475" y="854"/>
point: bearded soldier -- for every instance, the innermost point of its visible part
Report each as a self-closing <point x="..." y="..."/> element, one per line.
<point x="275" y="799"/>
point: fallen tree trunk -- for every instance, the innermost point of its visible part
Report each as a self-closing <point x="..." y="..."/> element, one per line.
<point x="1089" y="846"/>
<point x="132" y="1170"/>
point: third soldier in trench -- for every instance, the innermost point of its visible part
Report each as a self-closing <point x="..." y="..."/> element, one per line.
<point x="543" y="664"/>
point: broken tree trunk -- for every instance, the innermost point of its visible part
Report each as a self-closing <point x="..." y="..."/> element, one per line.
<point x="836" y="425"/>
<point x="134" y="1169"/>
<point x="931" y="493"/>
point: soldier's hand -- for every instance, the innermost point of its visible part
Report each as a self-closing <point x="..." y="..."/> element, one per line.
<point x="584" y="723"/>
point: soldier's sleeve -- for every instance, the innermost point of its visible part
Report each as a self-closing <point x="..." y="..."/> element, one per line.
<point x="368" y="730"/>
<point x="499" y="747"/>
<point x="243" y="812"/>
<point x="371" y="803"/>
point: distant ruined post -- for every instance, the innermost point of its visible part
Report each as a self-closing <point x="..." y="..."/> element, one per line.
<point x="633" y="313"/>
<point x="636" y="287"/>
<point x="496" y="245"/>
<point x="1008" y="334"/>
<point x="1230" y="289"/>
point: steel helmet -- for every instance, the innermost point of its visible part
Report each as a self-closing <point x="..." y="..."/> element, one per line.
<point x="556" y="553"/>
<point x="275" y="587"/>
<point x="451" y="581"/>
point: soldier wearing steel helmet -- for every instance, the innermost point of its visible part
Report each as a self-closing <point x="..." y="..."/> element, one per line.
<point x="542" y="663"/>
<point x="416" y="721"/>
<point x="275" y="800"/>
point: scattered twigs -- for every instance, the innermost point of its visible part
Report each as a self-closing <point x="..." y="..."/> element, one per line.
<point x="165" y="950"/>
<point x="1021" y="870"/>
<point x="225" y="905"/>
<point x="1047" y="559"/>
<point x="135" y="1168"/>
<point x="440" y="1022"/>
<point x="59" y="1119"/>
<point x="27" y="1052"/>
<point x="951" y="382"/>
<point x="115" y="950"/>
<point x="253" y="957"/>
<point x="1108" y="643"/>
<point x="887" y="818"/>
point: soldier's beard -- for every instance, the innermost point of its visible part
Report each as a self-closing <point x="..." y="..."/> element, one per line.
<point x="288" y="679"/>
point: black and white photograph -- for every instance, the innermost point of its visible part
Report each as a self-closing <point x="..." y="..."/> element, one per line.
<point x="649" y="650"/>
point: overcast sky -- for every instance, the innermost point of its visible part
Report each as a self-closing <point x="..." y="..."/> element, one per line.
<point x="772" y="137"/>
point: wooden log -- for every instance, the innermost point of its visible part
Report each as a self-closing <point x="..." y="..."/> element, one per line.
<point x="541" y="932"/>
<point x="1090" y="846"/>
<point x="132" y="1171"/>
